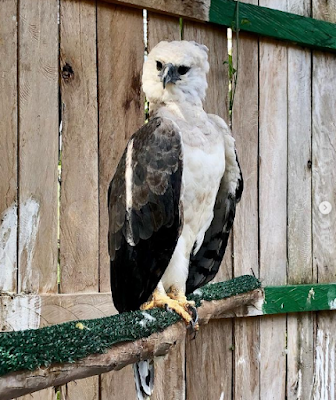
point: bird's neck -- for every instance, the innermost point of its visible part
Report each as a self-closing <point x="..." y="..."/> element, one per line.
<point x="180" y="110"/>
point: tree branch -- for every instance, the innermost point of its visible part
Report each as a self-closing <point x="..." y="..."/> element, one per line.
<point x="17" y="384"/>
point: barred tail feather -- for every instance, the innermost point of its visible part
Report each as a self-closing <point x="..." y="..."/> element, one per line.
<point x="144" y="378"/>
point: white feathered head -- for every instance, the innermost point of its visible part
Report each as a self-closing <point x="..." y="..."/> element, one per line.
<point x="176" y="71"/>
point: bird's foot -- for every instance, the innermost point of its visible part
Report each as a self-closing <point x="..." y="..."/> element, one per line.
<point x="188" y="305"/>
<point x="184" y="308"/>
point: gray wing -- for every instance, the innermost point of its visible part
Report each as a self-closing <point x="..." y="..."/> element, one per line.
<point x="205" y="263"/>
<point x="143" y="237"/>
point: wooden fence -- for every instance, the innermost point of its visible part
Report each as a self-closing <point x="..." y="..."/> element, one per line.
<point x="74" y="66"/>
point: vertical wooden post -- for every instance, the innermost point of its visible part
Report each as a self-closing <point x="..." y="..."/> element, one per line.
<point x="79" y="179"/>
<point x="79" y="154"/>
<point x="38" y="145"/>
<point x="300" y="362"/>
<point x="121" y="113"/>
<point x="246" y="243"/>
<point x="38" y="151"/>
<point x="8" y="145"/>
<point x="299" y="159"/>
<point x="324" y="202"/>
<point x="161" y="27"/>
<point x="273" y="204"/>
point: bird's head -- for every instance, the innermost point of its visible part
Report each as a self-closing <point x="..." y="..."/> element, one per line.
<point x="176" y="71"/>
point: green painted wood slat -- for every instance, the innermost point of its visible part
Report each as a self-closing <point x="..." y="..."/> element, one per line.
<point x="263" y="21"/>
<point x="273" y="23"/>
<point x="299" y="298"/>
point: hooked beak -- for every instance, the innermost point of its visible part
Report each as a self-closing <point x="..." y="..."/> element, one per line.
<point x="169" y="74"/>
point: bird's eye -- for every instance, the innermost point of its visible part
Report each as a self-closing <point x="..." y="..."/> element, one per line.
<point x="182" y="70"/>
<point x="158" y="65"/>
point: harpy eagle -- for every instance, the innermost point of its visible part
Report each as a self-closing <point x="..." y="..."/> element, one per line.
<point x="173" y="197"/>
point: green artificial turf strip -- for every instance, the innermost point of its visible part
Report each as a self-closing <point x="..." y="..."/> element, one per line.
<point x="222" y="290"/>
<point x="71" y="341"/>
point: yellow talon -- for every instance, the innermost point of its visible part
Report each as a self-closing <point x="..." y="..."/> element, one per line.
<point x="188" y="305"/>
<point x="176" y="294"/>
<point x="176" y="301"/>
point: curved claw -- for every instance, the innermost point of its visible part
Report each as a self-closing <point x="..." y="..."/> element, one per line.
<point x="167" y="308"/>
<point x="193" y="313"/>
<point x="194" y="321"/>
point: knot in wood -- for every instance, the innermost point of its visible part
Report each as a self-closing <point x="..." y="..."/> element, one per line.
<point x="67" y="72"/>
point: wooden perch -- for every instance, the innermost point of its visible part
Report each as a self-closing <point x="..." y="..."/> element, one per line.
<point x="17" y="384"/>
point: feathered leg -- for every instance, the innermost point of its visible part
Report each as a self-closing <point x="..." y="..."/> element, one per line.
<point x="175" y="300"/>
<point x="144" y="378"/>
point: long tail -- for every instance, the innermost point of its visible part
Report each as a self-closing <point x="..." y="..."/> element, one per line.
<point x="144" y="378"/>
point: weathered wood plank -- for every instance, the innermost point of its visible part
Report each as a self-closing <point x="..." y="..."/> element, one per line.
<point x="19" y="312"/>
<point x="245" y="132"/>
<point x="33" y="311"/>
<point x="79" y="179"/>
<point x="245" y="230"/>
<point x="263" y="21"/>
<point x="299" y="163"/>
<point x="209" y="366"/>
<point x="121" y="113"/>
<point x="170" y="375"/>
<point x="170" y="369"/>
<point x="38" y="155"/>
<point x="272" y="357"/>
<point x="79" y="215"/>
<point x="324" y="10"/>
<point x="8" y="145"/>
<point x="46" y="394"/>
<point x="38" y="142"/>
<point x="325" y="356"/>
<point x="191" y="9"/>
<point x="324" y="166"/>
<point x="71" y="307"/>
<point x="324" y="218"/>
<point x="118" y="385"/>
<point x="273" y="205"/>
<point x="212" y="385"/>
<point x="86" y="389"/>
<point x="160" y="28"/>
<point x="300" y="356"/>
<point x="247" y="358"/>
<point x="300" y="328"/>
<point x="121" y="102"/>
<point x="273" y="161"/>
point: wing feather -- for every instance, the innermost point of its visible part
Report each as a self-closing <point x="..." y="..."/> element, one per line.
<point x="154" y="219"/>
